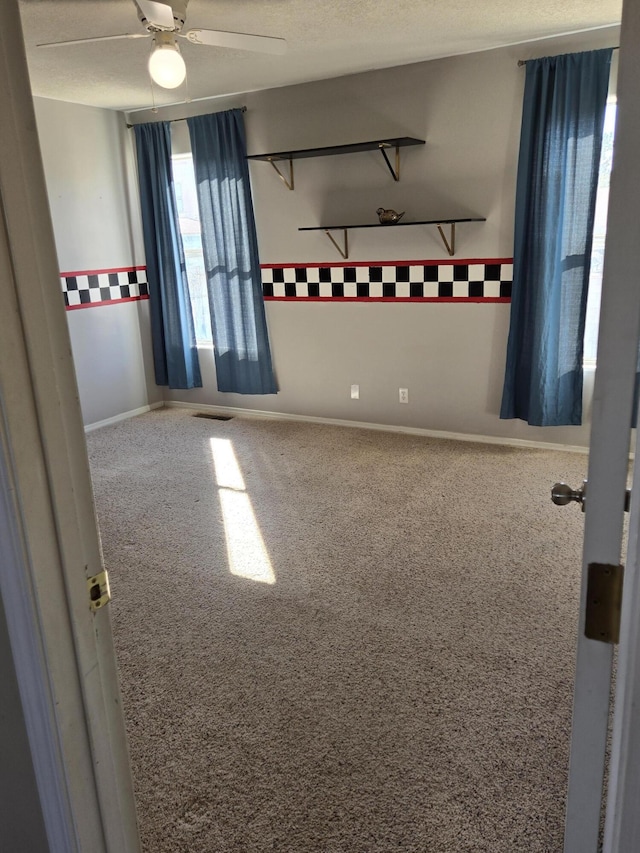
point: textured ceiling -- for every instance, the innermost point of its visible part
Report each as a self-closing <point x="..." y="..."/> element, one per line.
<point x="326" y="38"/>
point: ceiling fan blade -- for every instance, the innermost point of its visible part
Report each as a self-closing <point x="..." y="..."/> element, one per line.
<point x="96" y="38"/>
<point x="158" y="14"/>
<point x="239" y="41"/>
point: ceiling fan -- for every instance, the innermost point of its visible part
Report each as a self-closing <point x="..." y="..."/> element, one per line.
<point x="164" y="23"/>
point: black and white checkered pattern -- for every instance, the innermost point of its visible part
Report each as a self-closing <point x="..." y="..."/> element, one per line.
<point x="94" y="288"/>
<point x="461" y="280"/>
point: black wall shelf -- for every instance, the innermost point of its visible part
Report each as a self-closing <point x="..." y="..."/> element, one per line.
<point x="381" y="145"/>
<point x="450" y="244"/>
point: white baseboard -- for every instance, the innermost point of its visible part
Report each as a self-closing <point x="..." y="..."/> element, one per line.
<point x="123" y="416"/>
<point x="428" y="433"/>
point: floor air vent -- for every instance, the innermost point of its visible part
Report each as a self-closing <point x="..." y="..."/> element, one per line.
<point x="213" y="417"/>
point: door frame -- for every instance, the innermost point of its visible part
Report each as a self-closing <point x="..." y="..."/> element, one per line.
<point x="622" y="817"/>
<point x="619" y="333"/>
<point x="622" y="823"/>
<point x="63" y="652"/>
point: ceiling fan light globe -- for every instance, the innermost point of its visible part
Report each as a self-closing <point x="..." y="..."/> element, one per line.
<point x="166" y="66"/>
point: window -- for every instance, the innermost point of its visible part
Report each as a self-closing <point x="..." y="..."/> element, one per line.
<point x="599" y="235"/>
<point x="189" y="220"/>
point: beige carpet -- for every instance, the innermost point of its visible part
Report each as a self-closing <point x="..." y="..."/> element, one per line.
<point x="396" y="675"/>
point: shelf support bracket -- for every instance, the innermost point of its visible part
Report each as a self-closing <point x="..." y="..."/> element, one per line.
<point x="395" y="172"/>
<point x="288" y="183"/>
<point x="451" y="243"/>
<point x="345" y="252"/>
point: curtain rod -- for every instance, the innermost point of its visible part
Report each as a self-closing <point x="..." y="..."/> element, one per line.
<point x="242" y="109"/>
<point x="524" y="61"/>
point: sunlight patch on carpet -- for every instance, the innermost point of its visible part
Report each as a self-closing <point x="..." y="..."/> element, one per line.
<point x="246" y="551"/>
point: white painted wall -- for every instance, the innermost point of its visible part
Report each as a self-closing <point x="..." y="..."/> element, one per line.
<point x="451" y="357"/>
<point x="89" y="168"/>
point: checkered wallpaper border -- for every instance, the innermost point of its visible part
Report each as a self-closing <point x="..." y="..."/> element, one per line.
<point x="487" y="280"/>
<point x="103" y="287"/>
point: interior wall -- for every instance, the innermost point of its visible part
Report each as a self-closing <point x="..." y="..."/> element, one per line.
<point x="89" y="168"/>
<point x="449" y="354"/>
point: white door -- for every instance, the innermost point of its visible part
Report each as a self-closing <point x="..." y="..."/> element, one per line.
<point x="62" y="652"/>
<point x="607" y="482"/>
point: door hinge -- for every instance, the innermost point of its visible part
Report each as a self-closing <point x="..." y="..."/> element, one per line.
<point x="604" y="602"/>
<point x="99" y="592"/>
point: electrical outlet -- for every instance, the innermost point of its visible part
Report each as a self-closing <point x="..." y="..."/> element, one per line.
<point x="355" y="392"/>
<point x="403" y="395"/>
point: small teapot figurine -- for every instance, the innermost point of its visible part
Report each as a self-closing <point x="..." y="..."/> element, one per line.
<point x="388" y="217"/>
